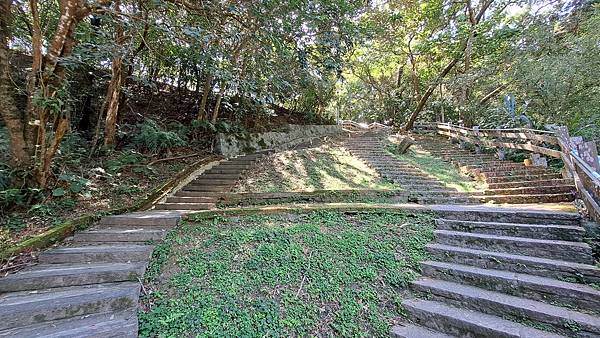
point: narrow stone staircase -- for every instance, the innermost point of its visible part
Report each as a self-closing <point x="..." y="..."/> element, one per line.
<point x="423" y="187"/>
<point x="508" y="182"/>
<point x="506" y="274"/>
<point x="90" y="286"/>
<point x="204" y="191"/>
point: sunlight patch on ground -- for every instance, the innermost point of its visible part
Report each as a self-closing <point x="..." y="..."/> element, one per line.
<point x="322" y="168"/>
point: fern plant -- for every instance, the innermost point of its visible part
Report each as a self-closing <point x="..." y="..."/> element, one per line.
<point x="153" y="138"/>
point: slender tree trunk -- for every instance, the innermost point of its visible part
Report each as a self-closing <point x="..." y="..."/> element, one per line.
<point x="215" y="114"/>
<point x="206" y="89"/>
<point x="10" y="114"/>
<point x="113" y="95"/>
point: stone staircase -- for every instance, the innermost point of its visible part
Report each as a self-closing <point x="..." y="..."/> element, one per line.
<point x="204" y="191"/>
<point x="423" y="188"/>
<point x="508" y="182"/>
<point x="505" y="274"/>
<point x="90" y="286"/>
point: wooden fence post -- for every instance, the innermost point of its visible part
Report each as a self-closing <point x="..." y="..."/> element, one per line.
<point x="589" y="154"/>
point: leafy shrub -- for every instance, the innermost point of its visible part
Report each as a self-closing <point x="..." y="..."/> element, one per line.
<point x="151" y="137"/>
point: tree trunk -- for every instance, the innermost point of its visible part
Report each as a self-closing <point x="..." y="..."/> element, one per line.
<point x="206" y="89"/>
<point x="113" y="95"/>
<point x="215" y="113"/>
<point x="12" y="118"/>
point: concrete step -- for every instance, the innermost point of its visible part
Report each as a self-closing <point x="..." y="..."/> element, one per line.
<point x="209" y="181"/>
<point x="467" y="323"/>
<point x="413" y="331"/>
<point x="536" y="231"/>
<point x="494" y="166"/>
<point x="520" y="178"/>
<point x="106" y="325"/>
<point x="233" y="166"/>
<point x="529" y="198"/>
<point x="533" y="190"/>
<point x="513" y="216"/>
<point x="119" y="235"/>
<point x="543" y="289"/>
<point x="509" y="307"/>
<point x="208" y="188"/>
<point x="539" y="183"/>
<point x="185" y="206"/>
<point x="191" y="199"/>
<point x="97" y="254"/>
<point x="222" y="170"/>
<point x="447" y="200"/>
<point x="521" y="172"/>
<point x="221" y="176"/>
<point x="577" y="252"/>
<point x="148" y="218"/>
<point x="21" y="309"/>
<point x="63" y="275"/>
<point x="558" y="269"/>
<point x="185" y="193"/>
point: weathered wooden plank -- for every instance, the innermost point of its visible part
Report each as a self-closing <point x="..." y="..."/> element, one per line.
<point x="589" y="179"/>
<point x="523" y="134"/>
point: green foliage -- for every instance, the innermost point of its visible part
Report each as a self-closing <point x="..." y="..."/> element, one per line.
<point x="152" y="138"/>
<point x="127" y="158"/>
<point x="322" y="273"/>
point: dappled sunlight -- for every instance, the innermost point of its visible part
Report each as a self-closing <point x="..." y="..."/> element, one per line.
<point x="321" y="168"/>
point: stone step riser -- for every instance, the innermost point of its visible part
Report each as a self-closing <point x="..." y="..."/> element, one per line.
<point x="527" y="172"/>
<point x="457" y="323"/>
<point x="116" y="255"/>
<point x="34" y="312"/>
<point x="520" y="264"/>
<point x="207" y="188"/>
<point x="68" y="276"/>
<point x="513" y="217"/>
<point x="139" y="221"/>
<point x="88" y="236"/>
<point x="548" y="293"/>
<point x="521" y="199"/>
<point x="201" y="181"/>
<point x="548" y="232"/>
<point x="532" y="190"/>
<point x="507" y="307"/>
<point x="185" y="206"/>
<point x="520" y="246"/>
<point x="527" y="184"/>
<point x="521" y="178"/>
<point x="227" y="177"/>
<point x="210" y="200"/>
<point x="224" y="172"/>
<point x="185" y="193"/>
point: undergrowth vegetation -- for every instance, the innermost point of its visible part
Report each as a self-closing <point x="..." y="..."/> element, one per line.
<point x="317" y="274"/>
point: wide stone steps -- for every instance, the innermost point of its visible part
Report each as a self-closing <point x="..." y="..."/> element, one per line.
<point x="537" y="183"/>
<point x="107" y="325"/>
<point x="550" y="290"/>
<point x="461" y="322"/>
<point x="531" y="190"/>
<point x="521" y="172"/>
<point x="119" y="235"/>
<point x="543" y="267"/>
<point x="537" y="231"/>
<point x="506" y="306"/>
<point x="552" y="249"/>
<point x="22" y="309"/>
<point x="62" y="275"/>
<point x="185" y="206"/>
<point x="413" y="331"/>
<point x="529" y="198"/>
<point x="99" y="254"/>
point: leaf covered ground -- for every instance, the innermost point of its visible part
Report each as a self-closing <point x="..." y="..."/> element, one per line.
<point x="316" y="274"/>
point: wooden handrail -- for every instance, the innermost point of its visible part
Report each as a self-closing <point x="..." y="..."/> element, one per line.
<point x="585" y="177"/>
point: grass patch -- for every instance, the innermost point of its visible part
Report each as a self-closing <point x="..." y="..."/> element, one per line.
<point x="443" y="171"/>
<point x="315" y="274"/>
<point x="322" y="168"/>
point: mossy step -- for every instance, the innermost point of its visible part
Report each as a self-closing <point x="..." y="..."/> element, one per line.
<point x="191" y="199"/>
<point x="414" y="331"/>
<point x="548" y="290"/>
<point x="536" y="231"/>
<point x="520" y="178"/>
<point x="511" y="216"/>
<point x="529" y="198"/>
<point x="21" y="309"/>
<point x="519" y="172"/>
<point x="149" y="218"/>
<point x="461" y="322"/>
<point x="552" y="249"/>
<point x="557" y="319"/>
<point x="528" y="183"/>
<point x="64" y="275"/>
<point x="558" y="269"/>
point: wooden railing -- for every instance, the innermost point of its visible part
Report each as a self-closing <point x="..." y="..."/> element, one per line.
<point x="580" y="158"/>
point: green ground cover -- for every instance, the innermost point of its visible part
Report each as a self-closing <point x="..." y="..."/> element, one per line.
<point x="443" y="171"/>
<point x="320" y="274"/>
<point x="321" y="168"/>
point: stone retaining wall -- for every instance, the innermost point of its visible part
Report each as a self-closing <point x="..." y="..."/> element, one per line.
<point x="232" y="145"/>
